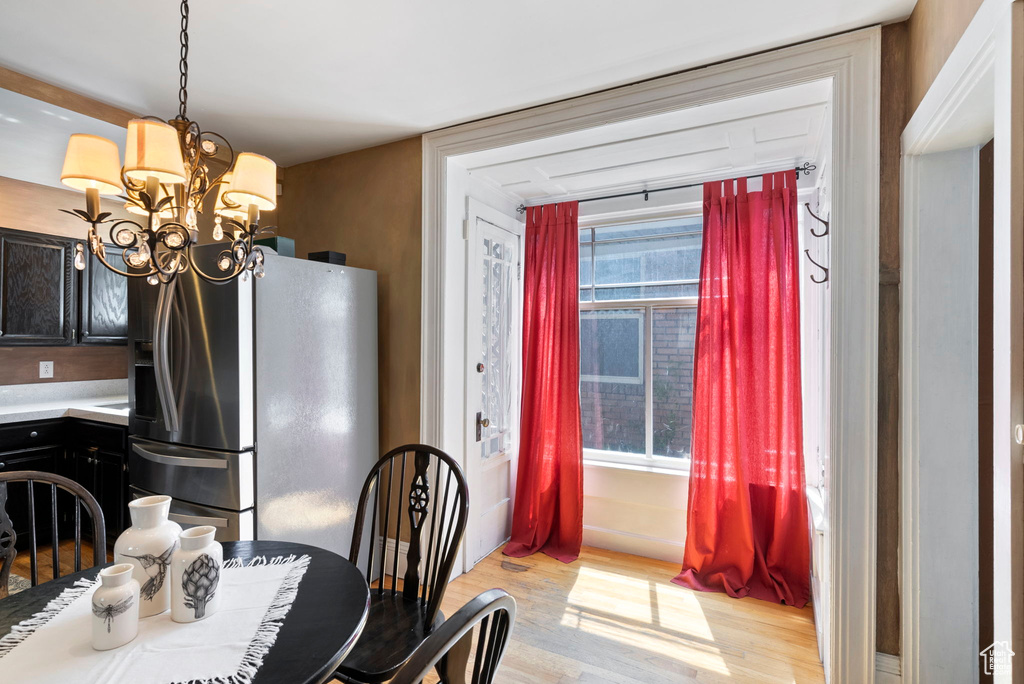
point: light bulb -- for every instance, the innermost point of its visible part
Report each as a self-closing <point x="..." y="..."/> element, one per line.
<point x="218" y="232"/>
<point x="79" y="258"/>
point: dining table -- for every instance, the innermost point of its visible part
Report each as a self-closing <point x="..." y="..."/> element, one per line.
<point x="321" y="627"/>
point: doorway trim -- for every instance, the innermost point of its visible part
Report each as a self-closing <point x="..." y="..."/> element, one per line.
<point x="974" y="98"/>
<point x="852" y="61"/>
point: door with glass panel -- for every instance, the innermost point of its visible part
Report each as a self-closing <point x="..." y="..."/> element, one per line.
<point x="492" y="386"/>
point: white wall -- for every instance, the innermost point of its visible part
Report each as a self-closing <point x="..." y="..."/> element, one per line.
<point x="633" y="511"/>
<point x="815" y="323"/>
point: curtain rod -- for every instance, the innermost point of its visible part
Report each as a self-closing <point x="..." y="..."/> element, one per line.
<point x="806" y="167"/>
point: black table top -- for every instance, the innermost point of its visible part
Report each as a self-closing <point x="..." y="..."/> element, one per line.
<point x="322" y="626"/>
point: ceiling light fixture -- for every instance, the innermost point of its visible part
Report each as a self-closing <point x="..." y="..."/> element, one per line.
<point x="170" y="168"/>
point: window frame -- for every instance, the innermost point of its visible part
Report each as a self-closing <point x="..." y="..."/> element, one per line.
<point x="648" y="306"/>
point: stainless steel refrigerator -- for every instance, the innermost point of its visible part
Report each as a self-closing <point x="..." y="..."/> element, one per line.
<point x="254" y="404"/>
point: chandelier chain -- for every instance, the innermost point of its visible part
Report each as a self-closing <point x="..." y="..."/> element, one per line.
<point x="183" y="64"/>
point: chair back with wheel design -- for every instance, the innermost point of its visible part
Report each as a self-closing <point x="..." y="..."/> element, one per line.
<point x="495" y="612"/>
<point x="421" y="490"/>
<point x="41" y="490"/>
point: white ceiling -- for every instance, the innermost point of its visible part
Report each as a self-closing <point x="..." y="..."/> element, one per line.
<point x="34" y="136"/>
<point x="305" y="79"/>
<point x="745" y="136"/>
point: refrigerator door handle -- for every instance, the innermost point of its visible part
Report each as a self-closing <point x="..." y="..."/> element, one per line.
<point x="187" y="461"/>
<point x="183" y="519"/>
<point x="161" y="356"/>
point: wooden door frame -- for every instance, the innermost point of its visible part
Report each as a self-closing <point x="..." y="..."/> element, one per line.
<point x="852" y="62"/>
<point x="976" y="96"/>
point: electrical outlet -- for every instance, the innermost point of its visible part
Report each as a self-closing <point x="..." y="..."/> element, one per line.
<point x="46" y="369"/>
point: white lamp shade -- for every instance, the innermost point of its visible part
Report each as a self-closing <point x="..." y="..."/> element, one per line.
<point x="153" y="150"/>
<point x="253" y="181"/>
<point x="219" y="208"/>
<point x="92" y="162"/>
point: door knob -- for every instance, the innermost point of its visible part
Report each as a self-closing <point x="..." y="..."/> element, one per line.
<point x="480" y="368"/>
<point x="481" y="423"/>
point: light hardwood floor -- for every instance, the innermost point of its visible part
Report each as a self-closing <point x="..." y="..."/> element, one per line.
<point x="44" y="560"/>
<point x="612" y="618"/>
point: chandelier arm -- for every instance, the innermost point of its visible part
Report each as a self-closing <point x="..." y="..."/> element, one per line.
<point x="94" y="239"/>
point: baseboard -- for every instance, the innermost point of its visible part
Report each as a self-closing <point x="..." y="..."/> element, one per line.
<point x="887" y="669"/>
<point x="403" y="551"/>
<point x="635" y="544"/>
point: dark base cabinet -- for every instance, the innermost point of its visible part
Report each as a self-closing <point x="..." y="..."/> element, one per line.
<point x="90" y="453"/>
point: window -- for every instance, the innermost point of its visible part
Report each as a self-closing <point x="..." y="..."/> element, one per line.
<point x="638" y="318"/>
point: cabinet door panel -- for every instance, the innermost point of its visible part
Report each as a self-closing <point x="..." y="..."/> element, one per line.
<point x="104" y="306"/>
<point x="36" y="289"/>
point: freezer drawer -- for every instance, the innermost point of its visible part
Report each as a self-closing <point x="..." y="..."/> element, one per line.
<point x="231" y="525"/>
<point x="207" y="478"/>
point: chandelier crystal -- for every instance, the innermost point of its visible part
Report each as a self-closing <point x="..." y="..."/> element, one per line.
<point x="170" y="169"/>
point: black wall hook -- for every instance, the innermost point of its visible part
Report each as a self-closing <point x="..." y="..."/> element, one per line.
<point x="808" y="205"/>
<point x="811" y="259"/>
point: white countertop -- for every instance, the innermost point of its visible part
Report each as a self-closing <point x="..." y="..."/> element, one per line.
<point x="92" y="408"/>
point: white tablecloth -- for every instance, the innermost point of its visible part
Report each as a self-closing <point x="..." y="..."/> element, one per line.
<point x="227" y="647"/>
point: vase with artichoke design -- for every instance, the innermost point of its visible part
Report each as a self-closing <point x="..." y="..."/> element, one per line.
<point x="199" y="583"/>
<point x="196" y="569"/>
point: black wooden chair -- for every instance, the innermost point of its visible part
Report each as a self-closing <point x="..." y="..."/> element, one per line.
<point x="26" y="522"/>
<point x="495" y="612"/>
<point x="425" y="486"/>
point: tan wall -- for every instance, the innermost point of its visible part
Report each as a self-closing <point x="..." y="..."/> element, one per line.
<point x="934" y="29"/>
<point x="35" y="208"/>
<point x="368" y="188"/>
<point x="893" y="118"/>
<point x="367" y="205"/>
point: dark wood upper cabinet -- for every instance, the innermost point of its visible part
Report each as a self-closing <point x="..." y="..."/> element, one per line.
<point x="37" y="289"/>
<point x="103" y="314"/>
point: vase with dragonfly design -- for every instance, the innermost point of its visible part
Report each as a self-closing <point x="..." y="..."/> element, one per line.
<point x="148" y="545"/>
<point x="115" y="608"/>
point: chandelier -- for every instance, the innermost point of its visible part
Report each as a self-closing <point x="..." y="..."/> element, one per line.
<point x="171" y="170"/>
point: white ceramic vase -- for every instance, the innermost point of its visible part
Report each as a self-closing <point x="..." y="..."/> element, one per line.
<point x="148" y="545"/>
<point x="196" y="569"/>
<point x="115" y="608"/>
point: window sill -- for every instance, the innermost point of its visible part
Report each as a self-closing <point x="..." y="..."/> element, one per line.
<point x="638" y="468"/>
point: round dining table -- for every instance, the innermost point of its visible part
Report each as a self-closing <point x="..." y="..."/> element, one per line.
<point x="326" y="618"/>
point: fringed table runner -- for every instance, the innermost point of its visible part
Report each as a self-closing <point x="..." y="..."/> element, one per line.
<point x="226" y="648"/>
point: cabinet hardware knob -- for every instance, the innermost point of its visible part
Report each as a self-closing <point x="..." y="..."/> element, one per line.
<point x="2" y="464"/>
<point x="33" y="434"/>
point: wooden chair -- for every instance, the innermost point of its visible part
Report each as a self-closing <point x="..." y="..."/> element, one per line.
<point x="495" y="612"/>
<point x="8" y="536"/>
<point x="431" y="493"/>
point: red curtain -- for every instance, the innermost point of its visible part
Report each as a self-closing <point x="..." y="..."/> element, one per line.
<point x="548" y="511"/>
<point x="747" y="532"/>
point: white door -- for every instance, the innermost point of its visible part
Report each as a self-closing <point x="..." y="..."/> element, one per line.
<point x="493" y="360"/>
